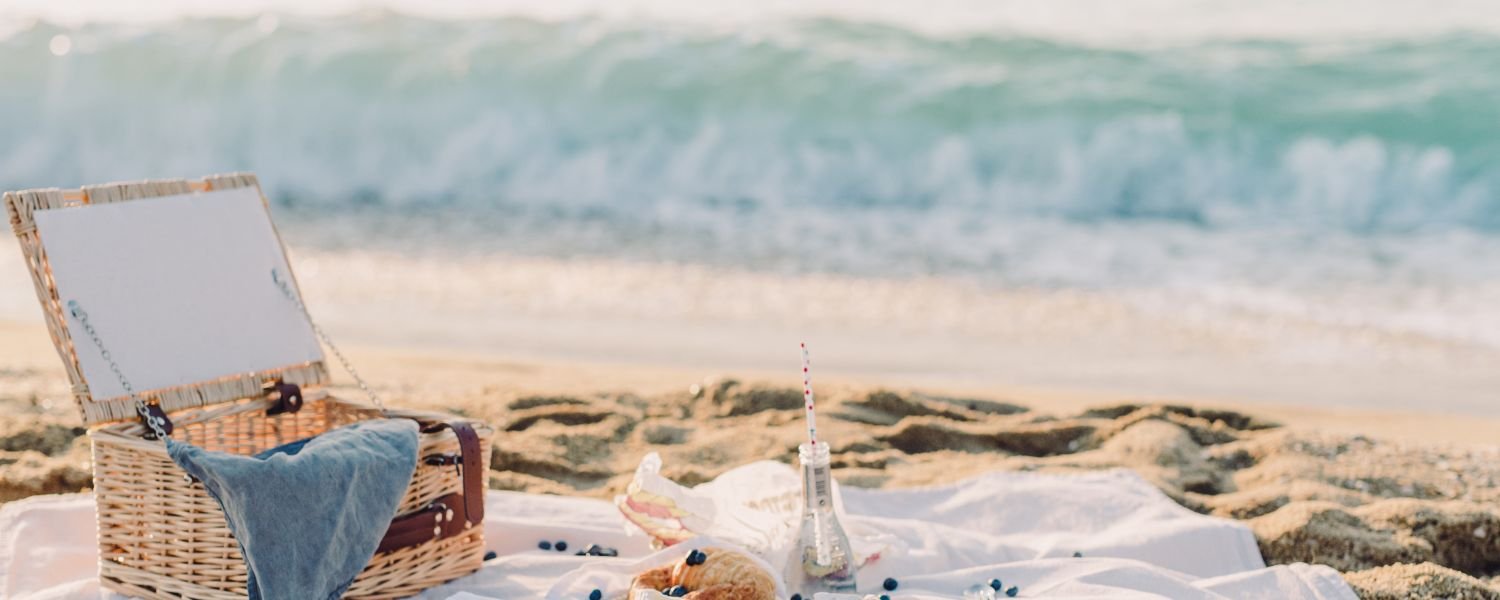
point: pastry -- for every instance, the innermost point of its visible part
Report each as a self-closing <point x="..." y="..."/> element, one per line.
<point x="710" y="574"/>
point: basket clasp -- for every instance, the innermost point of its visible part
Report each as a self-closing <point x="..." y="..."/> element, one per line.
<point x="155" y="419"/>
<point x="287" y="398"/>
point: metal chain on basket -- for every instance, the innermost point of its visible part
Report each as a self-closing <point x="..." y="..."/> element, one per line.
<point x="286" y="290"/>
<point x="153" y="422"/>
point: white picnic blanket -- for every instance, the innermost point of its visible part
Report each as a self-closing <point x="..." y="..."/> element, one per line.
<point x="1022" y="528"/>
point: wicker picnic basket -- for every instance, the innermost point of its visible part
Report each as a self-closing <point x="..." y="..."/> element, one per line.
<point x="160" y="534"/>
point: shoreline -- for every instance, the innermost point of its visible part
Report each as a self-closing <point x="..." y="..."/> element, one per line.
<point x="1229" y="346"/>
<point x="26" y="347"/>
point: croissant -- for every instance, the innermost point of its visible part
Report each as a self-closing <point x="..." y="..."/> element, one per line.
<point x="723" y="575"/>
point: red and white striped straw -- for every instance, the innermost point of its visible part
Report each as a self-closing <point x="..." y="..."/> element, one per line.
<point x="807" y="396"/>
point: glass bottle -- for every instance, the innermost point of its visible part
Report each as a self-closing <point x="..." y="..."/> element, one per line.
<point x="821" y="559"/>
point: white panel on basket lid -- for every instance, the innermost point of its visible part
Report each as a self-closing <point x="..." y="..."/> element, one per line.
<point x="179" y="289"/>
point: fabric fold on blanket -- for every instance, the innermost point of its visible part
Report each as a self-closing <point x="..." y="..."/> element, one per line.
<point x="1039" y="521"/>
<point x="1023" y="528"/>
<point x="309" y="515"/>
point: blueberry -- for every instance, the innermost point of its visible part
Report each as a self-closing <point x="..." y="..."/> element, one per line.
<point x="544" y="544"/>
<point x="889" y="584"/>
<point x="675" y="591"/>
<point x="795" y="597"/>
<point x="561" y="546"/>
<point x="596" y="595"/>
<point x="609" y="552"/>
<point x="996" y="585"/>
<point x="1077" y="555"/>
<point x="592" y="550"/>
<point x="490" y="555"/>
<point x="1012" y="591"/>
<point x="695" y="558"/>
<point x="884" y="597"/>
<point x="579" y="553"/>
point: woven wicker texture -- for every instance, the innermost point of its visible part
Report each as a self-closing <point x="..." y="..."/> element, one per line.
<point x="160" y="535"/>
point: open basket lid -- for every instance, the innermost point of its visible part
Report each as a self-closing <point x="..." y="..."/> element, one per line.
<point x="176" y="278"/>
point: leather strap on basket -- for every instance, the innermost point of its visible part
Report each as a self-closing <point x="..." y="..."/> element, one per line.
<point x="449" y="515"/>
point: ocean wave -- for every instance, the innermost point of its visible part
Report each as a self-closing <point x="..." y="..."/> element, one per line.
<point x="1093" y="21"/>
<point x="839" y="144"/>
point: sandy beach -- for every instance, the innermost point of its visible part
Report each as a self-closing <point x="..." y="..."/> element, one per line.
<point x="1245" y="250"/>
<point x="1404" y="505"/>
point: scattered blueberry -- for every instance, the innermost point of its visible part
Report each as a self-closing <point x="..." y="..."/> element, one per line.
<point x="490" y="555"/>
<point x="675" y="591"/>
<point x="889" y="584"/>
<point x="578" y="553"/>
<point x="596" y="595"/>
<point x="884" y="597"/>
<point x="695" y="558"/>
<point x="561" y="546"/>
<point x="609" y="552"/>
<point x="1077" y="555"/>
<point x="1012" y="591"/>
<point x="996" y="585"/>
<point x="544" y="544"/>
<point x="795" y="597"/>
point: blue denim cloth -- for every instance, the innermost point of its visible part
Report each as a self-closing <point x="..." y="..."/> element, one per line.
<point x="309" y="515"/>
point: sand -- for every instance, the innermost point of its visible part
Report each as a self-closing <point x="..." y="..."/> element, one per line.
<point x="1411" y="510"/>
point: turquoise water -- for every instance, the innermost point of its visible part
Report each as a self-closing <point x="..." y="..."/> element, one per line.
<point x="821" y="143"/>
<point x="1317" y="167"/>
